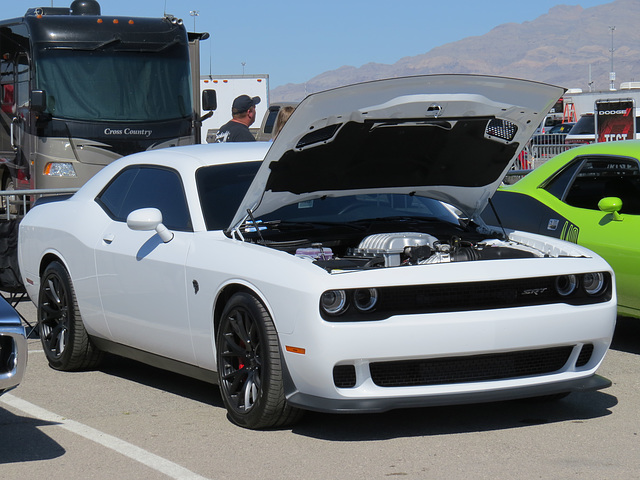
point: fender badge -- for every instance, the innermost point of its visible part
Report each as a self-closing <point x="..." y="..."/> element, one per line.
<point x="553" y="224"/>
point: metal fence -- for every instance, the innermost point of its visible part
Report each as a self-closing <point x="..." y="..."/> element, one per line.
<point x="15" y="203"/>
<point x="540" y="149"/>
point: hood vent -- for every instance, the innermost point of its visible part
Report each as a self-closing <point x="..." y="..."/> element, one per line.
<point x="319" y="136"/>
<point x="502" y="129"/>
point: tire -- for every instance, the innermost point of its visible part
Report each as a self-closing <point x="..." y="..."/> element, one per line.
<point x="7" y="184"/>
<point x="250" y="366"/>
<point x="65" y="341"/>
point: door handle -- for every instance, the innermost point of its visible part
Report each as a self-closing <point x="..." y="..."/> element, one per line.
<point x="108" y="238"/>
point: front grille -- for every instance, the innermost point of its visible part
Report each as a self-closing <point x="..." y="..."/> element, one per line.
<point x="344" y="376"/>
<point x="468" y="296"/>
<point x="474" y="295"/>
<point x="474" y="368"/>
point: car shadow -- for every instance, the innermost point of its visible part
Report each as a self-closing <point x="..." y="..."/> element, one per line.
<point x="153" y="377"/>
<point x="626" y="337"/>
<point x="431" y="421"/>
<point x="23" y="441"/>
<point x="577" y="407"/>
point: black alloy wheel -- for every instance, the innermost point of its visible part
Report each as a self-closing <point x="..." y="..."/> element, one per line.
<point x="250" y="366"/>
<point x="64" y="338"/>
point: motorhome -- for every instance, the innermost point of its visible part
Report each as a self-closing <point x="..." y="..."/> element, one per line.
<point x="79" y="90"/>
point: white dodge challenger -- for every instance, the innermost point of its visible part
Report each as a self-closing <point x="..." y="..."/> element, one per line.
<point x="341" y="268"/>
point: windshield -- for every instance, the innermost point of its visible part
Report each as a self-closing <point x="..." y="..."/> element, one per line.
<point x="222" y="187"/>
<point x="363" y="207"/>
<point x="110" y="85"/>
<point x="585" y="125"/>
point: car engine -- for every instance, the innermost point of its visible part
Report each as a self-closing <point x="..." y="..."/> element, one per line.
<point x="412" y="248"/>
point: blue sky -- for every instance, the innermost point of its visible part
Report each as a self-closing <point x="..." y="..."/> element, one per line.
<point x="293" y="41"/>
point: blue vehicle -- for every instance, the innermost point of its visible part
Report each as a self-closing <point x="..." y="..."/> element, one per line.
<point x="13" y="348"/>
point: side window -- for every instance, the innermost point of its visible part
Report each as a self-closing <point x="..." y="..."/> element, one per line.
<point x="22" y="82"/>
<point x="14" y="79"/>
<point x="143" y="187"/>
<point x="601" y="177"/>
<point x="271" y="119"/>
<point x="6" y="82"/>
<point x="221" y="189"/>
<point x="7" y="99"/>
<point x="557" y="185"/>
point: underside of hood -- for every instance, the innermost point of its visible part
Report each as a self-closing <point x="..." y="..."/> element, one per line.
<point x="448" y="137"/>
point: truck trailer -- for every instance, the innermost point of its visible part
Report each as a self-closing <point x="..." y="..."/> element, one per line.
<point x="227" y="88"/>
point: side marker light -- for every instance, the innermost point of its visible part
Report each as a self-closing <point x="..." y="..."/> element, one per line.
<point x="298" y="350"/>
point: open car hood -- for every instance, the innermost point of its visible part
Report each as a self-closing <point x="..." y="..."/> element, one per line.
<point x="448" y="137"/>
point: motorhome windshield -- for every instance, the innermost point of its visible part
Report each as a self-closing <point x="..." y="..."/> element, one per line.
<point x="108" y="85"/>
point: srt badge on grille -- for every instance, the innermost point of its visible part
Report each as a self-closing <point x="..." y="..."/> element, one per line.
<point x="534" y="291"/>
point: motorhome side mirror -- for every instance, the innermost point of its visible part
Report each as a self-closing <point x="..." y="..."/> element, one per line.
<point x="209" y="100"/>
<point x="38" y="101"/>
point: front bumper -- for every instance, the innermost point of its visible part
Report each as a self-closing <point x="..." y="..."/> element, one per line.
<point x="13" y="356"/>
<point x="448" y="358"/>
<point x="372" y="405"/>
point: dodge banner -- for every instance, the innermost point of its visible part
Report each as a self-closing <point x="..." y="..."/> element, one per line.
<point x="615" y="120"/>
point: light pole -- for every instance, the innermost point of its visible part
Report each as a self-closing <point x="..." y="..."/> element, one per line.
<point x="243" y="64"/>
<point x="194" y="14"/>
<point x="612" y="74"/>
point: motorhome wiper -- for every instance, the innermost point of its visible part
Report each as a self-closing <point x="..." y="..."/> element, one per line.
<point x="102" y="45"/>
<point x="168" y="45"/>
<point x="84" y="48"/>
<point x="148" y="47"/>
<point x="124" y="46"/>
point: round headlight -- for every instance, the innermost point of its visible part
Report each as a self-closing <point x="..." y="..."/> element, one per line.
<point x="334" y="302"/>
<point x="365" y="299"/>
<point x="593" y="283"/>
<point x="566" y="284"/>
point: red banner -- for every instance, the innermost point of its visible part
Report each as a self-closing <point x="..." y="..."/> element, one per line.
<point x="615" y="120"/>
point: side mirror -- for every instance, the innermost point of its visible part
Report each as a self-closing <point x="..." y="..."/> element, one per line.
<point x="146" y="219"/>
<point x="611" y="205"/>
<point x="38" y="101"/>
<point x="209" y="100"/>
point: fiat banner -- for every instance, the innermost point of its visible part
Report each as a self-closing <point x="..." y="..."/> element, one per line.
<point x="615" y="120"/>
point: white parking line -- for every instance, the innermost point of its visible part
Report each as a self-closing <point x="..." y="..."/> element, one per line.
<point x="138" y="454"/>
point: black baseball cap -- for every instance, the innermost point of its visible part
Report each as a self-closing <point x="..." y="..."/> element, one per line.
<point x="244" y="103"/>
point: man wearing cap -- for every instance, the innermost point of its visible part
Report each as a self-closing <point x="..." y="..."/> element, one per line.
<point x="243" y="112"/>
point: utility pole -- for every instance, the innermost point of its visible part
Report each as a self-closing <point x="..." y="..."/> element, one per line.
<point x="612" y="73"/>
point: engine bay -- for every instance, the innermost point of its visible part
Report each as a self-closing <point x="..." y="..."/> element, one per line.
<point x="337" y="249"/>
<point x="411" y="248"/>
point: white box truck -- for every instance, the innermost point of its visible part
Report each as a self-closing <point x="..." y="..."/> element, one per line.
<point x="227" y="89"/>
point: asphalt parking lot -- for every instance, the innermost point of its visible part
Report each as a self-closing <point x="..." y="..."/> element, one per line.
<point x="128" y="420"/>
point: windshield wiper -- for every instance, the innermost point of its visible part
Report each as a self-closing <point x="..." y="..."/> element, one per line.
<point x="87" y="48"/>
<point x="400" y="218"/>
<point x="290" y="224"/>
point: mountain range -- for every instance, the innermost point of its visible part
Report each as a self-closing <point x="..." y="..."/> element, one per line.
<point x="569" y="46"/>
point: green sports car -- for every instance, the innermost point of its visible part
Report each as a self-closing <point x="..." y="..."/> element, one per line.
<point x="589" y="195"/>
